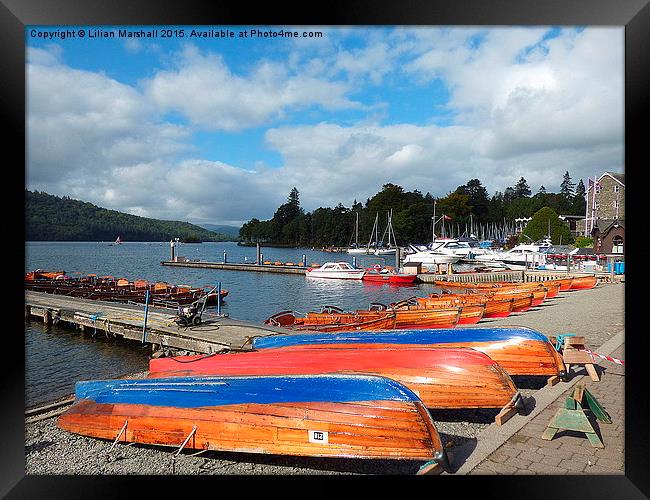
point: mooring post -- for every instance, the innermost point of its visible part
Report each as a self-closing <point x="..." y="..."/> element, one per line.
<point x="225" y="257"/>
<point x="171" y="250"/>
<point x="354" y="261"/>
<point x="261" y="258"/>
<point x="258" y="255"/>
<point x="304" y="260"/>
<point x="146" y="313"/>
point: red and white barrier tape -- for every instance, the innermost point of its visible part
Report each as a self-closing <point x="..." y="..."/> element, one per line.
<point x="608" y="358"/>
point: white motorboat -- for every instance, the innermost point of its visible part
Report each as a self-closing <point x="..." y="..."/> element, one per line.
<point x="336" y="270"/>
<point x="519" y="257"/>
<point x="429" y="257"/>
<point x="452" y="246"/>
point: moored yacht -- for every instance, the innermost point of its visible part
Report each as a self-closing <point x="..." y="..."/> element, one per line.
<point x="519" y="257"/>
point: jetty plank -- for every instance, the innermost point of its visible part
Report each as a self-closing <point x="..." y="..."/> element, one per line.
<point x="214" y="334"/>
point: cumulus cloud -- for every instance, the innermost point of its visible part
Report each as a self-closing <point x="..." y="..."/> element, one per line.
<point x="524" y="102"/>
<point x="212" y="96"/>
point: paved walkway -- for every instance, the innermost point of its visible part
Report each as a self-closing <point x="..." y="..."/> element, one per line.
<point x="518" y="448"/>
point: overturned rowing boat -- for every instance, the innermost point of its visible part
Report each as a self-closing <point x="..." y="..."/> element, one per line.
<point x="446" y="378"/>
<point x="519" y="350"/>
<point x="351" y="416"/>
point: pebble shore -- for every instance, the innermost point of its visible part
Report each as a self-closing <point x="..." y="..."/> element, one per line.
<point x="596" y="314"/>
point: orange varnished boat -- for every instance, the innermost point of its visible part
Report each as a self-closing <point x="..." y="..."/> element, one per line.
<point x="47" y="275"/>
<point x="584" y="282"/>
<point x="412" y="317"/>
<point x="334" y="415"/>
<point x="495" y="307"/>
<point x="506" y="287"/>
<point x="564" y="283"/>
<point x="522" y="303"/>
<point x="334" y="321"/>
<point x="443" y="378"/>
<point x="470" y="312"/>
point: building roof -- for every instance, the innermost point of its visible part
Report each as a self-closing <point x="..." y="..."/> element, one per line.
<point x="604" y="225"/>
<point x="619" y="177"/>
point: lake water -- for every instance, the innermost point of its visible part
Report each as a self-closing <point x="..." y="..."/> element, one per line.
<point x="57" y="357"/>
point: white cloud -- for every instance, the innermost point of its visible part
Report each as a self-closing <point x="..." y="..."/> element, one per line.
<point x="211" y="96"/>
<point x="521" y="106"/>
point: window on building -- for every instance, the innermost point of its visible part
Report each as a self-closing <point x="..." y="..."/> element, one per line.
<point x="615" y="203"/>
<point x="616" y="186"/>
<point x="617" y="244"/>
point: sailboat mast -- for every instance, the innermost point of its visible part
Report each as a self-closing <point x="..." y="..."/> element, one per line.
<point x="356" y="232"/>
<point x="433" y="223"/>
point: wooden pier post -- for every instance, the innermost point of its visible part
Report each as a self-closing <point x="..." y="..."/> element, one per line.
<point x="47" y="316"/>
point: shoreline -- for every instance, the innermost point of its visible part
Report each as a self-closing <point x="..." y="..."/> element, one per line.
<point x="596" y="314"/>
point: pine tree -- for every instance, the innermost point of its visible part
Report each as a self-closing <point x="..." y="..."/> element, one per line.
<point x="566" y="188"/>
<point x="522" y="189"/>
<point x="542" y="189"/>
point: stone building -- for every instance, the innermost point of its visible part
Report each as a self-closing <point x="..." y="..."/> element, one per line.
<point x="605" y="217"/>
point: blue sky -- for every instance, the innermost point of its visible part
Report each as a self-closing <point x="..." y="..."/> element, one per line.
<point x="218" y="130"/>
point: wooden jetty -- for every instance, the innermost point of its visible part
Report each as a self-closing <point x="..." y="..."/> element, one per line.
<point x="262" y="268"/>
<point x="116" y="320"/>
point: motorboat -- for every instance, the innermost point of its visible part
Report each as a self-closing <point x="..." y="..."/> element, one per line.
<point x="336" y="270"/>
<point x="430" y="256"/>
<point x="467" y="249"/>
<point x="520" y="257"/>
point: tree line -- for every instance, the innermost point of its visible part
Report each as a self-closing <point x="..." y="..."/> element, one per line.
<point x="51" y="218"/>
<point x="468" y="205"/>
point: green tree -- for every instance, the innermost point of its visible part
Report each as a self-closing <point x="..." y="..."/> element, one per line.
<point x="478" y="199"/>
<point x="579" y="203"/>
<point x="538" y="227"/>
<point x="566" y="188"/>
<point x="522" y="189"/>
<point x="584" y="242"/>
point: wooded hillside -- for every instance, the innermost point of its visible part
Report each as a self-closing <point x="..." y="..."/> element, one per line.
<point x="50" y="218"/>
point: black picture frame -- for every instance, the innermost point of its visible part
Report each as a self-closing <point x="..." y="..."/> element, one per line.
<point x="634" y="15"/>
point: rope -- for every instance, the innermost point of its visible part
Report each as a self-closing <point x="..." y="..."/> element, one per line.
<point x="193" y="360"/>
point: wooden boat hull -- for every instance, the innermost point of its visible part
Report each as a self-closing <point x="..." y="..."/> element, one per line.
<point x="350" y="416"/>
<point x="584" y="283"/>
<point x="498" y="308"/>
<point x="470" y="312"/>
<point x="522" y="304"/>
<point x="445" y="378"/>
<point x="565" y="283"/>
<point x="519" y="350"/>
<point x="325" y="322"/>
<point x="426" y="318"/>
<point x="495" y="306"/>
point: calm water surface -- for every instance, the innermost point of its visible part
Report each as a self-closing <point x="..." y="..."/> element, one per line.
<point x="57" y="357"/>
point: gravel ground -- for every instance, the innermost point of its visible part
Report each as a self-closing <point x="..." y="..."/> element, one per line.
<point x="49" y="450"/>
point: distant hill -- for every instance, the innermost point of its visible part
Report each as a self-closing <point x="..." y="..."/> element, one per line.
<point x="50" y="218"/>
<point x="229" y="230"/>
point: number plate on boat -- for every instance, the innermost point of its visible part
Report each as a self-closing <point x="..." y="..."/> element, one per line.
<point x="318" y="437"/>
